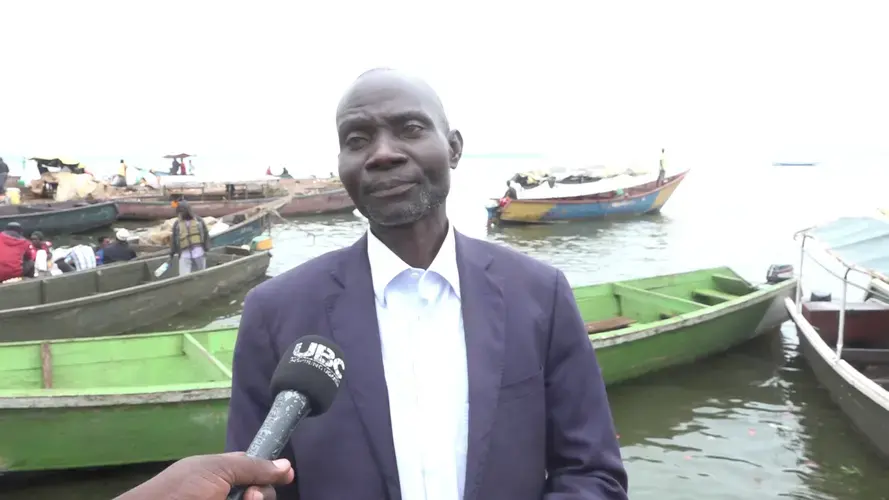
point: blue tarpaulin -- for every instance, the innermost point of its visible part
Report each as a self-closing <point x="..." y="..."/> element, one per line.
<point x="861" y="242"/>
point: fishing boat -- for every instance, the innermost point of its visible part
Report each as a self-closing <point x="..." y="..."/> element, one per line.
<point x="637" y="326"/>
<point x="120" y="297"/>
<point x="241" y="228"/>
<point x="644" y="325"/>
<point x="630" y="199"/>
<point x="60" y="218"/>
<point x="845" y="342"/>
<point x="795" y="164"/>
<point x="159" y="207"/>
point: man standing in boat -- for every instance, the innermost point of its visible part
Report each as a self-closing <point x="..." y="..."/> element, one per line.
<point x="190" y="240"/>
<point x="662" y="173"/>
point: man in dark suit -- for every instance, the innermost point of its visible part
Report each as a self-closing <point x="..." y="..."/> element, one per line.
<point x="466" y="380"/>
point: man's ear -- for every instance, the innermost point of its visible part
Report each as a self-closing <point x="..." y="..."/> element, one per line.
<point x="455" y="144"/>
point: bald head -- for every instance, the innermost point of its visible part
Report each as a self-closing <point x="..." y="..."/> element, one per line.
<point x="378" y="82"/>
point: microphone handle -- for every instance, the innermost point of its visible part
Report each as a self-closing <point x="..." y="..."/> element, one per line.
<point x="287" y="410"/>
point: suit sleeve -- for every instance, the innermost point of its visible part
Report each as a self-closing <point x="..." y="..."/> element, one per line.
<point x="253" y="364"/>
<point x="583" y="455"/>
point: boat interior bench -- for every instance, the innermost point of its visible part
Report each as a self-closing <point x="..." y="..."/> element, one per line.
<point x="866" y="323"/>
<point x="609" y="324"/>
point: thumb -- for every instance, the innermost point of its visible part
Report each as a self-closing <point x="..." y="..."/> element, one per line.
<point x="240" y="470"/>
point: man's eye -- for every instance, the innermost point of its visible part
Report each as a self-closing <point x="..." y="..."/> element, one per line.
<point x="412" y="130"/>
<point x="356" y="141"/>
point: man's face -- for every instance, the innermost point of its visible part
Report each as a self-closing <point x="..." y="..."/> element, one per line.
<point x="35" y="240"/>
<point x="395" y="151"/>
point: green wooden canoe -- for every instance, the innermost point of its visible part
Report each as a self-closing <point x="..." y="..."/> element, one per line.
<point x="57" y="410"/>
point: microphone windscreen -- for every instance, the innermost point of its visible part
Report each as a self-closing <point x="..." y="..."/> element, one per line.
<point x="313" y="366"/>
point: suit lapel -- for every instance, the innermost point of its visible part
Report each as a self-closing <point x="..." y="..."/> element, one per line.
<point x="484" y="318"/>
<point x="353" y="319"/>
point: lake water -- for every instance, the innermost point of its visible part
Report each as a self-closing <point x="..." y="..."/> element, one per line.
<point x="750" y="424"/>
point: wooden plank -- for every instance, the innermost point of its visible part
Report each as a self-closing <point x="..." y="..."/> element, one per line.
<point x="194" y="349"/>
<point x="866" y="356"/>
<point x="675" y="305"/>
<point x="609" y="324"/>
<point x="731" y="284"/>
<point x="714" y="294"/>
<point x="46" y="365"/>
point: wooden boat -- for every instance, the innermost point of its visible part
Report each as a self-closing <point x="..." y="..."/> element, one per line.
<point x="244" y="226"/>
<point x="642" y="199"/>
<point x="159" y="207"/>
<point x="60" y="218"/>
<point x="638" y="326"/>
<point x="846" y="342"/>
<point x="121" y="297"/>
<point x="643" y="325"/>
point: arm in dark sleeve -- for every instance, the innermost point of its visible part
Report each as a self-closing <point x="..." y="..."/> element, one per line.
<point x="174" y="239"/>
<point x="253" y="364"/>
<point x="583" y="455"/>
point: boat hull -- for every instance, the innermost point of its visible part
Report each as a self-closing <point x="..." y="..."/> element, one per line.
<point x="864" y="403"/>
<point x="117" y="298"/>
<point x="89" y="435"/>
<point x="647" y="200"/>
<point x="695" y="337"/>
<point x="62" y="218"/>
<point x="324" y="202"/>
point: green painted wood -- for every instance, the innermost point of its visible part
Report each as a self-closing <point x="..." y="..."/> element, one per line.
<point x="144" y="398"/>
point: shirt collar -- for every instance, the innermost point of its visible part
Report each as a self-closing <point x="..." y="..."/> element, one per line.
<point x="385" y="265"/>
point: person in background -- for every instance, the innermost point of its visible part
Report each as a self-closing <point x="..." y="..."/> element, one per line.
<point x="4" y="173"/>
<point x="120" y="179"/>
<point x="100" y="249"/>
<point x="510" y="191"/>
<point x="119" y="250"/>
<point x="81" y="257"/>
<point x="174" y="170"/>
<point x="182" y="167"/>
<point x="661" y="175"/>
<point x="190" y="168"/>
<point x="15" y="255"/>
<point x="190" y="240"/>
<point x="39" y="242"/>
<point x="211" y="477"/>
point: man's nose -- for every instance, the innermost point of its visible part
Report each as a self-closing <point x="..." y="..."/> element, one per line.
<point x="385" y="154"/>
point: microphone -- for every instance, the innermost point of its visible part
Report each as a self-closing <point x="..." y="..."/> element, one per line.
<point x="305" y="384"/>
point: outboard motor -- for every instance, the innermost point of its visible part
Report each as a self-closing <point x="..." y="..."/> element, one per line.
<point x="819" y="296"/>
<point x="778" y="273"/>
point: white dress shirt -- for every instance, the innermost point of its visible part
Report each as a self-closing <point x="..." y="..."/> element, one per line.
<point x="424" y="361"/>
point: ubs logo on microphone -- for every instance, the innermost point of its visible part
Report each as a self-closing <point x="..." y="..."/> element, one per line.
<point x="322" y="357"/>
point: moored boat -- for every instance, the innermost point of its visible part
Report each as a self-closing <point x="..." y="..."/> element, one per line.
<point x="644" y="325"/>
<point x="159" y="207"/>
<point x="121" y="297"/>
<point x="60" y="218"/>
<point x="638" y="199"/>
<point x="637" y="326"/>
<point x="845" y="342"/>
<point x="240" y="229"/>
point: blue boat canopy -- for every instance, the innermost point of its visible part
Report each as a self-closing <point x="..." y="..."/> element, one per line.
<point x="860" y="242"/>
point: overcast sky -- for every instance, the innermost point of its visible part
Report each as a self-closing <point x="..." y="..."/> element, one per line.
<point x="263" y="78"/>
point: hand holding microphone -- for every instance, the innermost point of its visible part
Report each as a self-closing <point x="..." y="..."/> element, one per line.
<point x="305" y="384"/>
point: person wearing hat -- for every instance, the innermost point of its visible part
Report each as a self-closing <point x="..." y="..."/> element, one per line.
<point x="15" y="258"/>
<point x="119" y="250"/>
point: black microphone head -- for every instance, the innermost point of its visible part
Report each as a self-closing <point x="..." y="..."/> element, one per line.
<point x="313" y="366"/>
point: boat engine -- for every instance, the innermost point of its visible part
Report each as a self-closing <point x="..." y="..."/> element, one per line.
<point x="819" y="296"/>
<point x="779" y="272"/>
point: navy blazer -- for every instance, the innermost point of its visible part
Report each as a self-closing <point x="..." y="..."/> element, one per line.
<point x="539" y="422"/>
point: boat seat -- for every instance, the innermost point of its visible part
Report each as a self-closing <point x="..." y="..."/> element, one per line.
<point x="609" y="324"/>
<point x="708" y="293"/>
